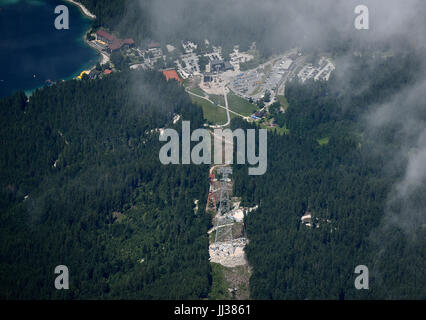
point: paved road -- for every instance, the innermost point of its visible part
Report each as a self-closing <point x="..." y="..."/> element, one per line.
<point x="281" y="87"/>
<point x="227" y="107"/>
<point x="105" y="57"/>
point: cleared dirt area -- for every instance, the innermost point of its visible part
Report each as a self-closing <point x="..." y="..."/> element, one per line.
<point x="230" y="283"/>
<point x="237" y="279"/>
<point x="227" y="254"/>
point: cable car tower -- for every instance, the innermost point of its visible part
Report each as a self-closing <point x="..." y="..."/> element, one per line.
<point x="225" y="190"/>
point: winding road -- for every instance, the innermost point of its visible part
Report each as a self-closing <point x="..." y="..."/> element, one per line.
<point x="227" y="107"/>
<point x="228" y="111"/>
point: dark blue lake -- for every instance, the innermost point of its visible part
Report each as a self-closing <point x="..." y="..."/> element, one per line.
<point x="33" y="51"/>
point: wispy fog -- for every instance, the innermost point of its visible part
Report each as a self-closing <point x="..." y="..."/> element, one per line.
<point x="320" y="25"/>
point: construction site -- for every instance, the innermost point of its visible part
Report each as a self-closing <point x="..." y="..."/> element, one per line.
<point x="227" y="236"/>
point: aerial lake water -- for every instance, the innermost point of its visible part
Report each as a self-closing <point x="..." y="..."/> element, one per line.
<point x="33" y="51"/>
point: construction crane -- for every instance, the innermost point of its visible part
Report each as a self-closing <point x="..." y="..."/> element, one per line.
<point x="211" y="200"/>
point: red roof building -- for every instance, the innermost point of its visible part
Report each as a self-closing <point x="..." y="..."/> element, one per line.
<point x="172" y="74"/>
<point x="107" y="71"/>
<point x="114" y="43"/>
<point x="105" y="35"/>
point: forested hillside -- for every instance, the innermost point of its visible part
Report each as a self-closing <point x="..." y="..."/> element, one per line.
<point x="329" y="167"/>
<point x="82" y="186"/>
<point x="81" y="183"/>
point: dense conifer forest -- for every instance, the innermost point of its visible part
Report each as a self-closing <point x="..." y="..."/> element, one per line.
<point x="81" y="183"/>
<point x="82" y="186"/>
<point x="342" y="183"/>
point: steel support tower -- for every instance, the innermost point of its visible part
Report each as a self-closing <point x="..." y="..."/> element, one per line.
<point x="224" y="230"/>
<point x="225" y="190"/>
<point x="224" y="222"/>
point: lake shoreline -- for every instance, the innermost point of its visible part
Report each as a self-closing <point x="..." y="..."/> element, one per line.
<point x="86" y="13"/>
<point x="103" y="58"/>
<point x="83" y="9"/>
